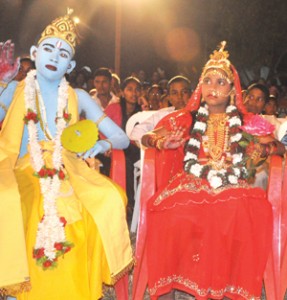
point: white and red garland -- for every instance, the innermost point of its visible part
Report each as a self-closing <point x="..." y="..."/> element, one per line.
<point x="223" y="176"/>
<point x="51" y="239"/>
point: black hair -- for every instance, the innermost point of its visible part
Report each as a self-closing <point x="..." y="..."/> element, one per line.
<point x="128" y="80"/>
<point x="263" y="88"/>
<point x="103" y="72"/>
<point x="178" y="78"/>
<point x="155" y="86"/>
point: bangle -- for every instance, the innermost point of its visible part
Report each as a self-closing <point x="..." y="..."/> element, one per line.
<point x="3" y="84"/>
<point x="265" y="150"/>
<point x="109" y="151"/>
<point x="151" y="140"/>
<point x="155" y="141"/>
<point x="159" y="143"/>
<point x="273" y="147"/>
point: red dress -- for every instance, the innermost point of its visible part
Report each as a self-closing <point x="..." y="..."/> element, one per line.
<point x="208" y="243"/>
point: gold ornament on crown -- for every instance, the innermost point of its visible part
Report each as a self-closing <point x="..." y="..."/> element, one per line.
<point x="63" y="28"/>
<point x="219" y="60"/>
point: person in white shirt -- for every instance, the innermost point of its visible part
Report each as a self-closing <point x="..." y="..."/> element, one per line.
<point x="103" y="85"/>
<point x="179" y="91"/>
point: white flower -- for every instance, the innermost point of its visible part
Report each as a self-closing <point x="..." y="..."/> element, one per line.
<point x="222" y="171"/>
<point x="196" y="169"/>
<point x="210" y="174"/>
<point x="50" y="229"/>
<point x="200" y="126"/>
<point x="215" y="182"/>
<point x="230" y="109"/>
<point x="244" y="170"/>
<point x="232" y="179"/>
<point x="236" y="158"/>
<point x="234" y="121"/>
<point x="203" y="111"/>
<point x="194" y="142"/>
<point x="236" y="171"/>
<point x="189" y="156"/>
<point x="236" y="138"/>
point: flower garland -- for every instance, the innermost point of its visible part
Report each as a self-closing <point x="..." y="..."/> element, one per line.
<point x="51" y="240"/>
<point x="223" y="176"/>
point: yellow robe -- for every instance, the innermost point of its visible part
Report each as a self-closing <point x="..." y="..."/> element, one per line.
<point x="90" y="202"/>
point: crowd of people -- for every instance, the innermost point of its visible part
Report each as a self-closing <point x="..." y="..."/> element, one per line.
<point x="59" y="204"/>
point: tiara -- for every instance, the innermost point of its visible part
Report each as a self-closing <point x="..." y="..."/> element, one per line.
<point x="219" y="60"/>
<point x="63" y="28"/>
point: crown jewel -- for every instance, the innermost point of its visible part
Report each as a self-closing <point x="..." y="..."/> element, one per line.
<point x="219" y="60"/>
<point x="63" y="28"/>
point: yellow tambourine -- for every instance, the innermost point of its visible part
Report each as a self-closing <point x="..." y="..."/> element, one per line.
<point x="80" y="136"/>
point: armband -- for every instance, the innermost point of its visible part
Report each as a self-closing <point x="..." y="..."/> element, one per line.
<point x="101" y="119"/>
<point x="4" y="107"/>
<point x="3" y="84"/>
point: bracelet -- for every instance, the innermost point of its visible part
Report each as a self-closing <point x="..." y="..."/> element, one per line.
<point x="108" y="152"/>
<point x="273" y="147"/>
<point x="156" y="141"/>
<point x="159" y="143"/>
<point x="265" y="150"/>
<point x="152" y="138"/>
<point x="3" y="84"/>
<point x="4" y="107"/>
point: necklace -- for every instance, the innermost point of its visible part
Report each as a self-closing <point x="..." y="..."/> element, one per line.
<point x="217" y="136"/>
<point x="216" y="171"/>
<point x="51" y="240"/>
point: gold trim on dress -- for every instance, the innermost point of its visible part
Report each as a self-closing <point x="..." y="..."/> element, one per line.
<point x="193" y="286"/>
<point x="15" y="289"/>
<point x="118" y="276"/>
<point x="194" y="185"/>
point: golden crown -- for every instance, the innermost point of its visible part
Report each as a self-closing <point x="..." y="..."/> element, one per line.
<point x="63" y="28"/>
<point x="219" y="60"/>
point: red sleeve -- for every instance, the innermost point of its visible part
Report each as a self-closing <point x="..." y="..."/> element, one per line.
<point x="114" y="112"/>
<point x="169" y="162"/>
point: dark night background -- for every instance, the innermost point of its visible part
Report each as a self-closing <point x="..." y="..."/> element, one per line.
<point x="176" y="35"/>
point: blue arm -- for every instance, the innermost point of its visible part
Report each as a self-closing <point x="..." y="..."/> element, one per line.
<point x="6" y="96"/>
<point x="114" y="134"/>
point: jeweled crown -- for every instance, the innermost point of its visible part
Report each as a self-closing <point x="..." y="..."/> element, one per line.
<point x="219" y="60"/>
<point x="63" y="28"/>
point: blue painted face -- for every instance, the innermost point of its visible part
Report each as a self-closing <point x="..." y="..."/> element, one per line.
<point x="54" y="58"/>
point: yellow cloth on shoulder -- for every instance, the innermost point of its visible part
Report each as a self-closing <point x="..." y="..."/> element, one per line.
<point x="93" y="205"/>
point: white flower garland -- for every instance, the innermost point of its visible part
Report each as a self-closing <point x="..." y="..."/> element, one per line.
<point x="51" y="229"/>
<point x="216" y="178"/>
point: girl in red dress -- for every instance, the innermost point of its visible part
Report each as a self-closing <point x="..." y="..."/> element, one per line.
<point x="208" y="230"/>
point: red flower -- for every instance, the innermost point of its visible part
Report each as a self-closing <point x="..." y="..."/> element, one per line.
<point x="67" y="116"/>
<point x="31" y="115"/>
<point x="61" y="175"/>
<point x="47" y="264"/>
<point x="51" y="172"/>
<point x="42" y="173"/>
<point x="63" y="220"/>
<point x="58" y="246"/>
<point x="67" y="249"/>
<point x="38" y="253"/>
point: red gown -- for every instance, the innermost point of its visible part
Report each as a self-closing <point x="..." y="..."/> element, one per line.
<point x="208" y="243"/>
